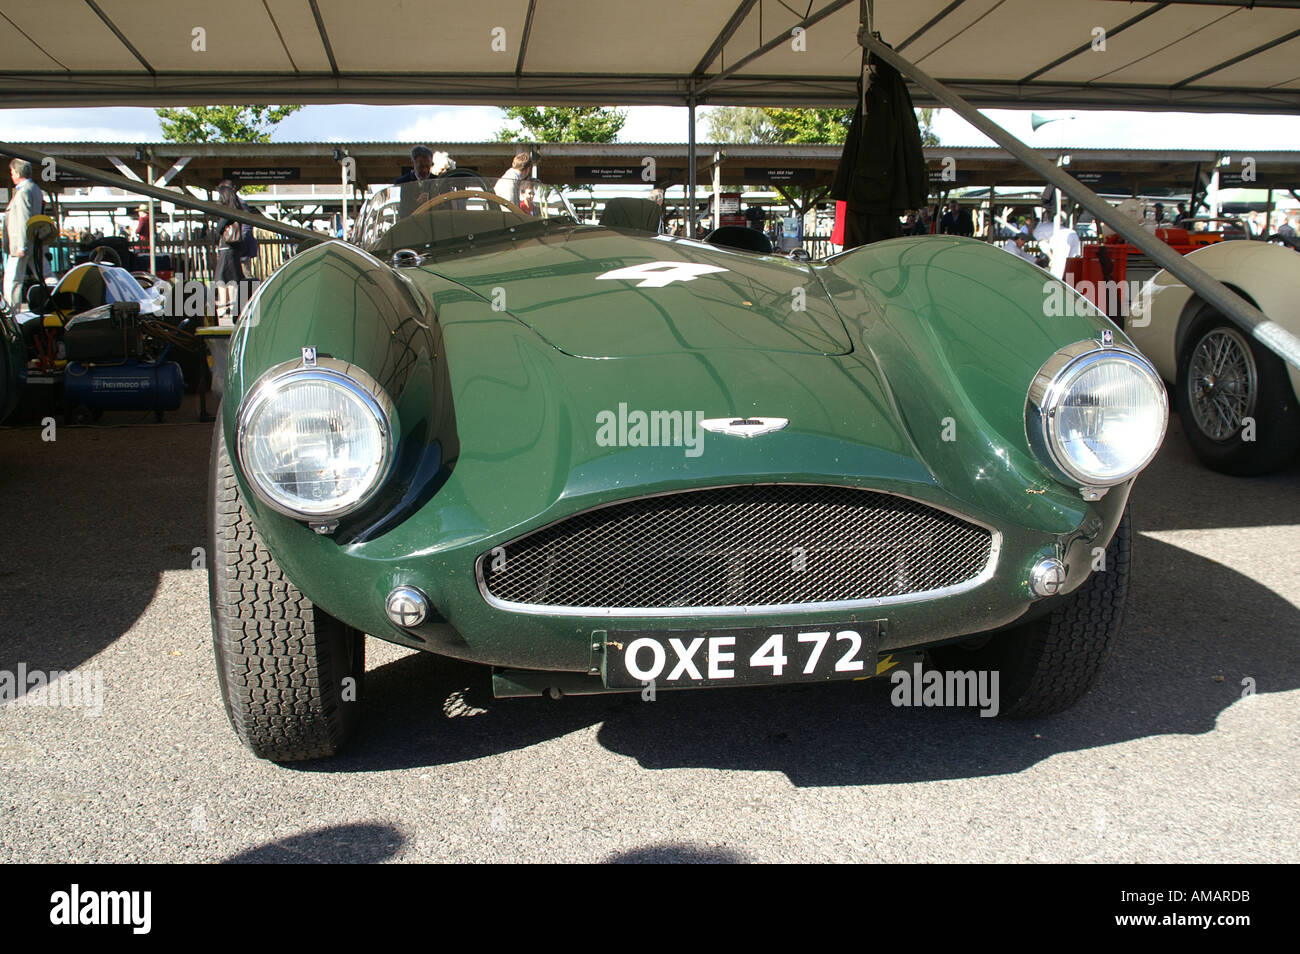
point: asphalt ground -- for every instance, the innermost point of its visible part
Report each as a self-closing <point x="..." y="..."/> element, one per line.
<point x="1169" y="759"/>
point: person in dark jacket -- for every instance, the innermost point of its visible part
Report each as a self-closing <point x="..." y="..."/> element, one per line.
<point x="957" y="221"/>
<point x="421" y="166"/>
<point x="235" y="242"/>
<point x="882" y="171"/>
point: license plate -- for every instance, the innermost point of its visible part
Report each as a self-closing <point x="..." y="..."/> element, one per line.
<point x="741" y="657"/>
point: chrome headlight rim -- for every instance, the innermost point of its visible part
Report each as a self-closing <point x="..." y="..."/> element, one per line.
<point x="353" y="379"/>
<point x="1044" y="401"/>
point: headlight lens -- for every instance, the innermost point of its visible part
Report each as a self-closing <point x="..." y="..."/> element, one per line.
<point x="316" y="441"/>
<point x="1097" y="414"/>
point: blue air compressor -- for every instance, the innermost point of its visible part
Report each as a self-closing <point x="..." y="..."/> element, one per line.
<point x="107" y="367"/>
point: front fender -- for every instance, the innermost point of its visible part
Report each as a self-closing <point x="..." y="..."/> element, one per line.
<point x="959" y="329"/>
<point x="347" y="304"/>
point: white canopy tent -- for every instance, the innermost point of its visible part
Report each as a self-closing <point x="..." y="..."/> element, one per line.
<point x="1220" y="55"/>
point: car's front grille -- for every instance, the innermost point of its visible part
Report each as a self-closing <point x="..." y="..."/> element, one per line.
<point x="756" y="545"/>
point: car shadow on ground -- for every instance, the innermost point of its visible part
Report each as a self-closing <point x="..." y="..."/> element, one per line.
<point x="1177" y="493"/>
<point x="677" y="853"/>
<point x="348" y="844"/>
<point x="90" y="522"/>
<point x="1194" y="631"/>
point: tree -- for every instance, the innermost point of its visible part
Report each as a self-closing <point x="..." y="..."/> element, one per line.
<point x="925" y="119"/>
<point x="753" y="124"/>
<point x="740" y="124"/>
<point x="563" y="124"/>
<point x="222" y="123"/>
<point x="811" y="125"/>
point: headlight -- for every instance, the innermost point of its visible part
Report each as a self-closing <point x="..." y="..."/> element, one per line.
<point x="315" y="438"/>
<point x="1096" y="414"/>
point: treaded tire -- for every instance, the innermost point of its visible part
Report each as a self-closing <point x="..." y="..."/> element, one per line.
<point x="1049" y="664"/>
<point x="1273" y="406"/>
<point x="281" y="661"/>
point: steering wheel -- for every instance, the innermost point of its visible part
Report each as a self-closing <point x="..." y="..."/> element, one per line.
<point x="106" y="252"/>
<point x="438" y="200"/>
<point x="1289" y="241"/>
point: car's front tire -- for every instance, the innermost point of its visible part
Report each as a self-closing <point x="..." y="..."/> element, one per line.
<point x="1226" y="380"/>
<point x="1047" y="665"/>
<point x="290" y="674"/>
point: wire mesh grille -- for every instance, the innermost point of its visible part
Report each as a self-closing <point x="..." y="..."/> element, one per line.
<point x="754" y="545"/>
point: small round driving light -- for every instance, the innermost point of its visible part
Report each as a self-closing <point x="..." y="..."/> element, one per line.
<point x="406" y="606"/>
<point x="1096" y="415"/>
<point x="1047" y="577"/>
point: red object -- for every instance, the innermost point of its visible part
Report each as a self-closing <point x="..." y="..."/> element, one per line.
<point x="1099" y="276"/>
<point x="728" y="209"/>
<point x="1108" y="262"/>
<point x="837" y="233"/>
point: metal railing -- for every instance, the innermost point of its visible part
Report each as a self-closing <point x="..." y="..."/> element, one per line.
<point x="194" y="256"/>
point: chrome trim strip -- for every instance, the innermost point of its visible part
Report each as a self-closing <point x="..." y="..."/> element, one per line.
<point x="679" y="612"/>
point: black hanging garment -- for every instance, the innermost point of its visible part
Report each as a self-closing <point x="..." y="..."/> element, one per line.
<point x="882" y="172"/>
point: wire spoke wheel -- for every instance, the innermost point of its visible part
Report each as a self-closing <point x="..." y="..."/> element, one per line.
<point x="1222" y="384"/>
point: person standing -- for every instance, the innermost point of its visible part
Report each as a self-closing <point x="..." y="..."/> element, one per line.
<point x="948" y="224"/>
<point x="421" y="166"/>
<point x="965" y="222"/>
<point x="232" y="242"/>
<point x="25" y="202"/>
<point x="507" y="186"/>
<point x="142" y="226"/>
<point x="957" y="221"/>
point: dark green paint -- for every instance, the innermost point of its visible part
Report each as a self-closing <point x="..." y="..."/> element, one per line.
<point x="498" y="416"/>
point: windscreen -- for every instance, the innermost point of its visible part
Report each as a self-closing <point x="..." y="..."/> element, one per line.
<point x="443" y="209"/>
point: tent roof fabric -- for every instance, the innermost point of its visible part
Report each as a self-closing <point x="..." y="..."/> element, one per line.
<point x="1207" y="55"/>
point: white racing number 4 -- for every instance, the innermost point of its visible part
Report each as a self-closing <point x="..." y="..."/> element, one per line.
<point x="659" y="274"/>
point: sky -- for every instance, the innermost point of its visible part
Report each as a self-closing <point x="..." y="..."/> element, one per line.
<point x="444" y="124"/>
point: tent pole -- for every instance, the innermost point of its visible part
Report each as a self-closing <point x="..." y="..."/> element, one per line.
<point x="1268" y="332"/>
<point x="167" y="195"/>
<point x="153" y="250"/>
<point x="343" y="218"/>
<point x="717" y="189"/>
<point x="690" y="162"/>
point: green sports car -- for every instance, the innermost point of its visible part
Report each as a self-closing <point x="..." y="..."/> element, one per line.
<point x="597" y="458"/>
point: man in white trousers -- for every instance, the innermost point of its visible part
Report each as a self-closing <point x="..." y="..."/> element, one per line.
<point x="25" y="202"/>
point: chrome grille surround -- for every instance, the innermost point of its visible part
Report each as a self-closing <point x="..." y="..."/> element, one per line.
<point x="735" y="551"/>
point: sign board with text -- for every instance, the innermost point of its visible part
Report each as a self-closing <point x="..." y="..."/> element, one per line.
<point x="769" y="174"/>
<point x="262" y="173"/>
<point x="608" y="173"/>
